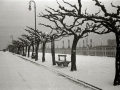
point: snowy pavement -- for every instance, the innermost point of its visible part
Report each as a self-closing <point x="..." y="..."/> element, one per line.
<point x="18" y="74"/>
<point x="97" y="71"/>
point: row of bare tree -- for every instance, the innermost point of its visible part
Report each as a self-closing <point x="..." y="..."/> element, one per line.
<point x="80" y="25"/>
<point x="25" y="42"/>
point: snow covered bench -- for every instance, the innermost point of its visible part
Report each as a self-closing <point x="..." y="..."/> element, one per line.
<point x="62" y="62"/>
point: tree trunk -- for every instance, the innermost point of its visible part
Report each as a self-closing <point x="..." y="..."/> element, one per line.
<point x="53" y="51"/>
<point x="18" y="52"/>
<point x="23" y="51"/>
<point x="36" y="53"/>
<point x="117" y="63"/>
<point x="28" y="51"/>
<point x="73" y="54"/>
<point x="32" y="49"/>
<point x="43" y="52"/>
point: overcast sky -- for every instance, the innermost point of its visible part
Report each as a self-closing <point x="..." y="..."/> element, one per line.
<point x="15" y="16"/>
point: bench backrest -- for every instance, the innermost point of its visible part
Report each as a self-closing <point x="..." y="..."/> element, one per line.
<point x="62" y="56"/>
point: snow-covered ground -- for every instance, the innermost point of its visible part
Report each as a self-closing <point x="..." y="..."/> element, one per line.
<point x="17" y="74"/>
<point x="98" y="71"/>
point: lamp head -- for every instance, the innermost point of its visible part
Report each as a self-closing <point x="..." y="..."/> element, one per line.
<point x="29" y="7"/>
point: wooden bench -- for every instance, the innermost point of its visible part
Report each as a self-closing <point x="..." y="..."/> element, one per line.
<point x="61" y="62"/>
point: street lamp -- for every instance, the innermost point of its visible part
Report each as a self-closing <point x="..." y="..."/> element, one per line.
<point x="35" y="20"/>
<point x="34" y="10"/>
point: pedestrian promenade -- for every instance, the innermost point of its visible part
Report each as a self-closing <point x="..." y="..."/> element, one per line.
<point x="18" y="74"/>
<point x="94" y="72"/>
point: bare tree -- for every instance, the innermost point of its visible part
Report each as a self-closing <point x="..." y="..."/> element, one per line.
<point x="110" y="22"/>
<point x="31" y="38"/>
<point x="44" y="40"/>
<point x="59" y="17"/>
<point x="24" y="44"/>
<point x="34" y="33"/>
<point x="29" y="41"/>
<point x="16" y="46"/>
<point x="41" y="38"/>
<point x="52" y="37"/>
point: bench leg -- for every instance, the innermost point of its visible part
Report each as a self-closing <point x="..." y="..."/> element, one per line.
<point x="65" y="64"/>
<point x="59" y="64"/>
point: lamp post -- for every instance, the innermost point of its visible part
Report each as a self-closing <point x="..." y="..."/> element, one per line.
<point x="87" y="46"/>
<point x="35" y="20"/>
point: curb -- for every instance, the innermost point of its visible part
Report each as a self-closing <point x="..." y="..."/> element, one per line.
<point x="87" y="85"/>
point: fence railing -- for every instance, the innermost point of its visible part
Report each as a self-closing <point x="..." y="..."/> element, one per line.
<point x="106" y="51"/>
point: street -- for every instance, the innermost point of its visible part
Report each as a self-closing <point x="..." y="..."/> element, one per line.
<point x="18" y="74"/>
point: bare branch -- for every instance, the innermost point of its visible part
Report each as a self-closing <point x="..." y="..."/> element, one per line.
<point x="118" y="8"/>
<point x="74" y="6"/>
<point x="66" y="10"/>
<point x="80" y="7"/>
<point x="97" y="12"/>
<point x="47" y="26"/>
<point x="101" y="6"/>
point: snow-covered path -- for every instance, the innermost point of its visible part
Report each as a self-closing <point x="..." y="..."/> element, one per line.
<point x="94" y="70"/>
<point x="18" y="74"/>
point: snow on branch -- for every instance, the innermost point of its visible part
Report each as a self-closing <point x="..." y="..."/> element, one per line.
<point x="27" y="37"/>
<point x="102" y="6"/>
<point x="118" y="8"/>
<point x="96" y="28"/>
<point x="74" y="6"/>
<point x="99" y="4"/>
<point x="64" y="9"/>
<point x="33" y="32"/>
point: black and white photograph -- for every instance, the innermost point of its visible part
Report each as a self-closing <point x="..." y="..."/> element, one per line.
<point x="59" y="44"/>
